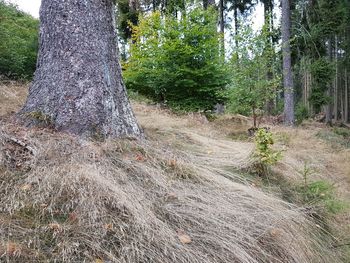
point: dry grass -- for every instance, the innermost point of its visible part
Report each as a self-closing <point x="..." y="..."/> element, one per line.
<point x="170" y="198"/>
<point x="126" y="201"/>
<point x="328" y="163"/>
<point x="12" y="97"/>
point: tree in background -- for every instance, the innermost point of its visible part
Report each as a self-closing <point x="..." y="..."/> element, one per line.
<point x="250" y="86"/>
<point x="319" y="55"/>
<point x="287" y="66"/>
<point x="177" y="61"/>
<point x="18" y="42"/>
<point x="78" y="85"/>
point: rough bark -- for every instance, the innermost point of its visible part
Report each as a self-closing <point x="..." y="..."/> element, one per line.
<point x="78" y="83"/>
<point x="287" y="65"/>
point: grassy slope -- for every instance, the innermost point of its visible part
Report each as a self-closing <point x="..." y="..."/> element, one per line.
<point x="175" y="197"/>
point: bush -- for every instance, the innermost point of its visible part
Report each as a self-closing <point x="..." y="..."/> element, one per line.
<point x="19" y="42"/>
<point x="301" y="113"/>
<point x="177" y="61"/>
<point x="321" y="193"/>
<point x="336" y="137"/>
<point x="264" y="154"/>
<point x="251" y="63"/>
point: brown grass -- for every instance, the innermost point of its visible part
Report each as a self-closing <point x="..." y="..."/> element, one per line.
<point x="12" y="97"/>
<point x="170" y="198"/>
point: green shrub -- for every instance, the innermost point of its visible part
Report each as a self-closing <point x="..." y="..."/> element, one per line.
<point x="264" y="152"/>
<point x="323" y="73"/>
<point x="336" y="137"/>
<point x="321" y="193"/>
<point x="18" y="42"/>
<point x="264" y="155"/>
<point x="177" y="61"/>
<point x="251" y="63"/>
<point x="301" y="113"/>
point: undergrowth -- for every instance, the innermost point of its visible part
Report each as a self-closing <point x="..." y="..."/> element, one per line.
<point x="317" y="197"/>
<point x="128" y="201"/>
<point x="337" y="137"/>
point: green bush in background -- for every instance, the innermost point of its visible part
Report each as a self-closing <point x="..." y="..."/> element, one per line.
<point x="18" y="42"/>
<point x="177" y="61"/>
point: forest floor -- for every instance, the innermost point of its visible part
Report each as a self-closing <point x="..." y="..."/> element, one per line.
<point x="189" y="199"/>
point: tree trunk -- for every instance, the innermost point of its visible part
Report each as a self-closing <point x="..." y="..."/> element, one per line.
<point x="222" y="27"/>
<point x="235" y="15"/>
<point x="78" y="83"/>
<point x="346" y="98"/>
<point x="328" y="107"/>
<point x="287" y="65"/>
<point x="270" y="104"/>
<point x="335" y="88"/>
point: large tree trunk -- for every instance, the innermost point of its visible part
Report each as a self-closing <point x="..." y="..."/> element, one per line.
<point x="287" y="65"/>
<point x="78" y="83"/>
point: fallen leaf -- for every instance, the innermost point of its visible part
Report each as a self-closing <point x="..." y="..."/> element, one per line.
<point x="172" y="163"/>
<point x="108" y="226"/>
<point x="12" y="248"/>
<point x="73" y="217"/>
<point x="140" y="157"/>
<point x="171" y="196"/>
<point x="275" y="232"/>
<point x="54" y="226"/>
<point x="183" y="237"/>
<point x="26" y="187"/>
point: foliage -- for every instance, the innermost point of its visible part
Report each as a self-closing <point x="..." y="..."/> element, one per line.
<point x="251" y="64"/>
<point x="177" y="61"/>
<point x="323" y="72"/>
<point x="125" y="16"/>
<point x="265" y="154"/>
<point x="321" y="193"/>
<point x="336" y="137"/>
<point x="316" y="23"/>
<point x="301" y="113"/>
<point x="19" y="42"/>
<point x="135" y="96"/>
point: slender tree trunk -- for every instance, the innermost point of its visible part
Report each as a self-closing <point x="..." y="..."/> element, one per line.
<point x="235" y="15"/>
<point x="335" y="88"/>
<point x="328" y="107"/>
<point x="346" y="97"/>
<point x="287" y="65"/>
<point x="268" y="18"/>
<point x="78" y="83"/>
<point x="222" y="27"/>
